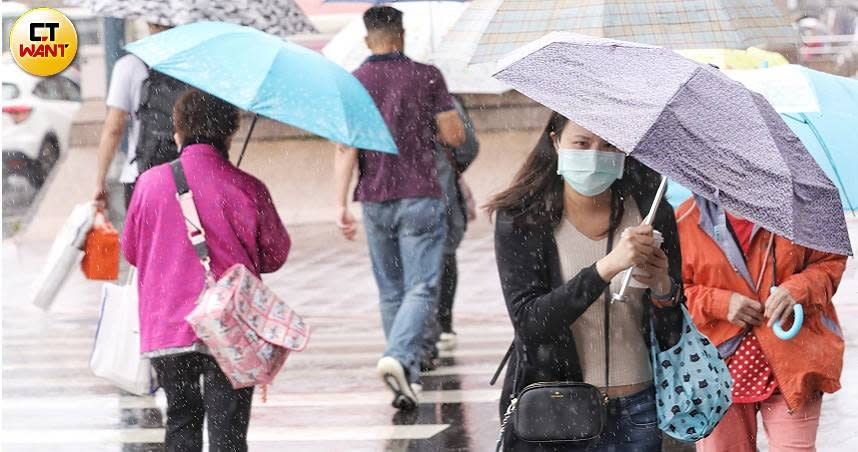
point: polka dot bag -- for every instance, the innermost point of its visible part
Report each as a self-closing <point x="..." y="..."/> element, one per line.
<point x="692" y="384"/>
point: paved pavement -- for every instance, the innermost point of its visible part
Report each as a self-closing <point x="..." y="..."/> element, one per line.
<point x="328" y="397"/>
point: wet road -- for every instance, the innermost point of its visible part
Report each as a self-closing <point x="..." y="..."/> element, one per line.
<point x="328" y="397"/>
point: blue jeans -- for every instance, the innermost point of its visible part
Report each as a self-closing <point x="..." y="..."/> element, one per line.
<point x="632" y="425"/>
<point x="406" y="241"/>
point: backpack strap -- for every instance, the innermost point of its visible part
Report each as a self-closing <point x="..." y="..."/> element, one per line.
<point x="196" y="233"/>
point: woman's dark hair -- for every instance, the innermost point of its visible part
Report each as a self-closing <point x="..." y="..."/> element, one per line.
<point x="202" y="118"/>
<point x="536" y="193"/>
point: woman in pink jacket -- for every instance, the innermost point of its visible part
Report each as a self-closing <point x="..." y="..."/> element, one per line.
<point x="242" y="227"/>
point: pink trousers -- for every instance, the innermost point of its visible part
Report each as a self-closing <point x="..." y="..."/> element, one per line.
<point x="737" y="431"/>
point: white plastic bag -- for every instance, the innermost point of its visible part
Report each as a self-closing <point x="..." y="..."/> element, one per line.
<point x="66" y="252"/>
<point x="116" y="352"/>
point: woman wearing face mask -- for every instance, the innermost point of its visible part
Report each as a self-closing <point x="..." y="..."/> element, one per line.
<point x="566" y="230"/>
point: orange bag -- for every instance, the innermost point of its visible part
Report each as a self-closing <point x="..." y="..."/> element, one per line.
<point x="101" y="258"/>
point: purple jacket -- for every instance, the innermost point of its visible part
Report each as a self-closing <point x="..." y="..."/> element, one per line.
<point x="241" y="225"/>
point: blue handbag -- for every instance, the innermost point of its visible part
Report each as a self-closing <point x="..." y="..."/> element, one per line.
<point x="692" y="384"/>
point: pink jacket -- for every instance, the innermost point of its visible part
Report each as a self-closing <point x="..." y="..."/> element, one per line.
<point x="241" y="224"/>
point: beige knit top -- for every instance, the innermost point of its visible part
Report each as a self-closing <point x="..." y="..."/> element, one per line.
<point x="629" y="354"/>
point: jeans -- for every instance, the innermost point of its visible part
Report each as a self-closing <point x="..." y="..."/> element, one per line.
<point x="188" y="403"/>
<point x="406" y="240"/>
<point x="632" y="426"/>
<point x="442" y="320"/>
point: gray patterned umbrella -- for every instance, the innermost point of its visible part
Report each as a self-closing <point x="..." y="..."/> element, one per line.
<point x="690" y="122"/>
<point x="276" y="17"/>
<point x="491" y="28"/>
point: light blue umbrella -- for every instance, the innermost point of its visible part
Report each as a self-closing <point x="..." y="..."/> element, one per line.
<point x="821" y="109"/>
<point x="271" y="77"/>
<point x="831" y="134"/>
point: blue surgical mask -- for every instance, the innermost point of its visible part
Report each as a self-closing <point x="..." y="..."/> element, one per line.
<point x="590" y="172"/>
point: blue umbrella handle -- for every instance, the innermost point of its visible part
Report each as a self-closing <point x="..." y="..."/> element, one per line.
<point x="798" y="313"/>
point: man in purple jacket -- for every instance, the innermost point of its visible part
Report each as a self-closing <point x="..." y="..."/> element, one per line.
<point x="402" y="207"/>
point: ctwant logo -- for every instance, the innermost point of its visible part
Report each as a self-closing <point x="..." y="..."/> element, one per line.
<point x="43" y="41"/>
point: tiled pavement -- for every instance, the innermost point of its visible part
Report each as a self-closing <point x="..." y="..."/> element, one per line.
<point x="327" y="398"/>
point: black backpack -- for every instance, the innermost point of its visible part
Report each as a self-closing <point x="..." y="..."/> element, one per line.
<point x="155" y="144"/>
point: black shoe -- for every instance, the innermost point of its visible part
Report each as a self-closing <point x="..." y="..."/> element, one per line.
<point x="428" y="364"/>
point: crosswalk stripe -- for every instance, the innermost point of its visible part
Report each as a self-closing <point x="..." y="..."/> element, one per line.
<point x="287" y="375"/>
<point x="319" y="340"/>
<point x="255" y="434"/>
<point x="333" y="349"/>
<point x="108" y="402"/>
<point x="321" y="334"/>
<point x="46" y="361"/>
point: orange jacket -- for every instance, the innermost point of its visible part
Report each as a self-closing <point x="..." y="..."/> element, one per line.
<point x="808" y="363"/>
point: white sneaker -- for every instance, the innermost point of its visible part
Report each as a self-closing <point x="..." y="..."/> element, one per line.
<point x="447" y="342"/>
<point x="417" y="388"/>
<point x="394" y="376"/>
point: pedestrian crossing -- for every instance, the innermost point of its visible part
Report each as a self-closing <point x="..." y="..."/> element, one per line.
<point x="328" y="397"/>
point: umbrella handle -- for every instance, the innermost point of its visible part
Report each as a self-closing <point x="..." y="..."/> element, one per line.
<point x="798" y="313"/>
<point x="247" y="139"/>
<point x="627" y="277"/>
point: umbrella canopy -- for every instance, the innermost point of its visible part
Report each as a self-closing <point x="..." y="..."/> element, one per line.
<point x="277" y="17"/>
<point x="751" y="58"/>
<point x="695" y="125"/>
<point x="491" y="28"/>
<point x="820" y="110"/>
<point x="426" y="23"/>
<point x="274" y="78"/>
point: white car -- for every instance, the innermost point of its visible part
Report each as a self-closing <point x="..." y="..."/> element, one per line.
<point x="37" y="119"/>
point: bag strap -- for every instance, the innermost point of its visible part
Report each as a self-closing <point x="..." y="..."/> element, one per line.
<point x="608" y="301"/>
<point x="502" y="364"/>
<point x="196" y="233"/>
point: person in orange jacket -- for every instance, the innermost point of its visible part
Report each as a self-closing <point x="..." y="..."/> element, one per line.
<point x="741" y="279"/>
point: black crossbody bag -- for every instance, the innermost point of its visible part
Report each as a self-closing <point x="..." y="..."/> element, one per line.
<point x="558" y="411"/>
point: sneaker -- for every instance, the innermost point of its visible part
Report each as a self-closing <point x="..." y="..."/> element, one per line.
<point x="395" y="377"/>
<point x="417" y="388"/>
<point x="447" y="341"/>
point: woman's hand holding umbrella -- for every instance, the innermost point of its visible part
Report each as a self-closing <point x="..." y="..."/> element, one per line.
<point x="634" y="248"/>
<point x="656" y="276"/>
<point x="779" y="306"/>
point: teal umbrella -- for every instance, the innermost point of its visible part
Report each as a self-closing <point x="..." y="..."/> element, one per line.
<point x="821" y="110"/>
<point x="271" y="77"/>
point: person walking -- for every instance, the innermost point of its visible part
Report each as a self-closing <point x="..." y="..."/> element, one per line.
<point x="241" y="225"/>
<point x="459" y="209"/>
<point x="566" y="229"/>
<point x="741" y="279"/>
<point x="145" y="98"/>
<point x="402" y="207"/>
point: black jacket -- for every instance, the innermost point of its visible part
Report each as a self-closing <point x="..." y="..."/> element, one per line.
<point x="542" y="306"/>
